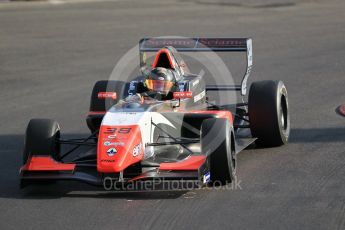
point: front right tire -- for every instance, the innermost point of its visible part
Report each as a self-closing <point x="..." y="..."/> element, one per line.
<point x="41" y="139"/>
<point x="217" y="142"/>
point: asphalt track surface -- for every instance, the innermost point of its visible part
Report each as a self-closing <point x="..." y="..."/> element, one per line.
<point x="52" y="53"/>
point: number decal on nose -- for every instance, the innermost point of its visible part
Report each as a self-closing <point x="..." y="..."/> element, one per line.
<point x="117" y="130"/>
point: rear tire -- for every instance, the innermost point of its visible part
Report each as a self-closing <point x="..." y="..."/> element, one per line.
<point x="40" y="139"/>
<point x="217" y="143"/>
<point x="269" y="113"/>
<point x="106" y="86"/>
<point x="101" y="105"/>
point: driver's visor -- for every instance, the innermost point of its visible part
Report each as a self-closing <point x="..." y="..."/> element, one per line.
<point x="158" y="85"/>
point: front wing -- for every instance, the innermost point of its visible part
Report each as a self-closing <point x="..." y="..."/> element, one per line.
<point x="191" y="171"/>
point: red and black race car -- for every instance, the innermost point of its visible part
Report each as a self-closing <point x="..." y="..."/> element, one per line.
<point x="137" y="136"/>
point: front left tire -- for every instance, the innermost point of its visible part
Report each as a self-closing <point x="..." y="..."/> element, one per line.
<point x="268" y="110"/>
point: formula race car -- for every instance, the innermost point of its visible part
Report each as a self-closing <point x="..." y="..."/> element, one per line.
<point x="160" y="125"/>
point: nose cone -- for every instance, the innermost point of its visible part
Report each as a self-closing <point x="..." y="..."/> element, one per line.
<point x="118" y="147"/>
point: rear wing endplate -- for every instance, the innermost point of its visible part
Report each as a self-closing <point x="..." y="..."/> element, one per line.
<point x="204" y="45"/>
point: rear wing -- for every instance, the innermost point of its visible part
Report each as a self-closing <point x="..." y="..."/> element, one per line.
<point x="204" y="45"/>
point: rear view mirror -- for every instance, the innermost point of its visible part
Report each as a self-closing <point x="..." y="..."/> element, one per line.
<point x="182" y="95"/>
<point x="107" y="95"/>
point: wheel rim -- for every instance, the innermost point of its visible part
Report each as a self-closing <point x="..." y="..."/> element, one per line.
<point x="234" y="166"/>
<point x="233" y="162"/>
<point x="57" y="146"/>
<point x="283" y="113"/>
<point x="282" y="118"/>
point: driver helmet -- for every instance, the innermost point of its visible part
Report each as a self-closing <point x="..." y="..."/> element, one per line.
<point x="160" y="80"/>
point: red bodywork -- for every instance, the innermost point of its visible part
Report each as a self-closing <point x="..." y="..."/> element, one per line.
<point x="46" y="163"/>
<point x="122" y="138"/>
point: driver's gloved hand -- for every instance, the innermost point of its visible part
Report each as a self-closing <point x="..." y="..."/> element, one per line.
<point x="134" y="98"/>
